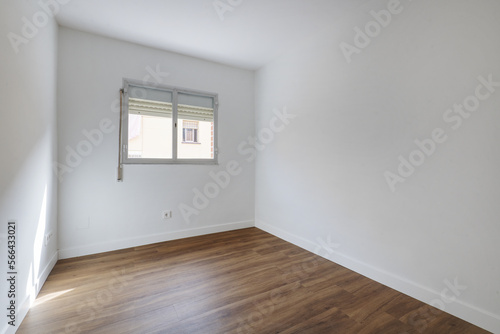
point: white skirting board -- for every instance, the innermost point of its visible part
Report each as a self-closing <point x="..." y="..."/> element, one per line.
<point x="472" y="314"/>
<point x="150" y="239"/>
<point x="25" y="305"/>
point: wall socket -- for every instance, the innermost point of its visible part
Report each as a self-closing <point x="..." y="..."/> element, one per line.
<point x="166" y="214"/>
<point x="48" y="236"/>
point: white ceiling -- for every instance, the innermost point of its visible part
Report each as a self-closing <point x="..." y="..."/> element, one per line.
<point x="250" y="35"/>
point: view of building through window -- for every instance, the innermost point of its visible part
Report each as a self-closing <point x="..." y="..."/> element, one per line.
<point x="151" y="125"/>
<point x="189" y="131"/>
<point x="150" y="137"/>
<point x="196" y="140"/>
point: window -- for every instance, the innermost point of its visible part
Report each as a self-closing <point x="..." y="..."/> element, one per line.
<point x="168" y="125"/>
<point x="190" y="132"/>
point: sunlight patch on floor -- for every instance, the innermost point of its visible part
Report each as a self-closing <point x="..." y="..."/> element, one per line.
<point x="50" y="296"/>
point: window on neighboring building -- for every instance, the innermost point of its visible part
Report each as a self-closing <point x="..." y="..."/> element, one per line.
<point x="161" y="124"/>
<point x="190" y="131"/>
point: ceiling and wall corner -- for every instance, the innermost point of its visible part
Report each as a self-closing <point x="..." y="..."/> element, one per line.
<point x="243" y="33"/>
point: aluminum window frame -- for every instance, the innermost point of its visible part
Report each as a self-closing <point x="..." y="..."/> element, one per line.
<point x="125" y="160"/>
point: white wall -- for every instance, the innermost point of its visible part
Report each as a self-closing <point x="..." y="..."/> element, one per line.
<point x="97" y="213"/>
<point x="28" y="190"/>
<point x="322" y="178"/>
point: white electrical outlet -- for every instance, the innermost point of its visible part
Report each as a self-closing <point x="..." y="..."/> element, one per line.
<point x="48" y="236"/>
<point x="166" y="214"/>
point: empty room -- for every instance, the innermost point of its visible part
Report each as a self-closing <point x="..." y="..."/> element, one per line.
<point x="250" y="166"/>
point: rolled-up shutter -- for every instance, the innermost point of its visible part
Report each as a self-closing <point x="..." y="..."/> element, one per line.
<point x="154" y="102"/>
<point x="195" y="107"/>
<point x="150" y="102"/>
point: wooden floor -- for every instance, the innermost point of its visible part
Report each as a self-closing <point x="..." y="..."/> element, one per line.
<point x="244" y="281"/>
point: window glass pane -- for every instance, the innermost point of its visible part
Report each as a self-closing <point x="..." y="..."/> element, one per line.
<point x="149" y="123"/>
<point x="149" y="137"/>
<point x="152" y="94"/>
<point x="196" y="127"/>
<point x="195" y="100"/>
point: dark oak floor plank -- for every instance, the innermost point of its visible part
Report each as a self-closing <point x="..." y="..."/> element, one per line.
<point x="244" y="281"/>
